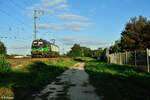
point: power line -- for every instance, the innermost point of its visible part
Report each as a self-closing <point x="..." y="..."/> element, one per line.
<point x="19" y="6"/>
<point x="16" y="19"/>
<point x="15" y="4"/>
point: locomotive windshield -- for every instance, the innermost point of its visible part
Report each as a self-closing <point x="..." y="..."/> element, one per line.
<point x="37" y="44"/>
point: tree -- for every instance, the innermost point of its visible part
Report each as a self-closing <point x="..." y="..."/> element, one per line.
<point x="136" y="34"/>
<point x="116" y="47"/>
<point x="104" y="55"/>
<point x="96" y="53"/>
<point x="86" y="52"/>
<point x="2" y="48"/>
<point x="78" y="51"/>
<point x="75" y="51"/>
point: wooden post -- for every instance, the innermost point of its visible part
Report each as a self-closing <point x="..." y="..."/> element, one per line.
<point x="147" y="53"/>
<point x="120" y="58"/>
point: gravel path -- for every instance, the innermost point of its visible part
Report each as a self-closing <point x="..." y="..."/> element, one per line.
<point x="73" y="84"/>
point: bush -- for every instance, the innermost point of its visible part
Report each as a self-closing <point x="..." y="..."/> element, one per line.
<point x="4" y="65"/>
<point x="2" y="48"/>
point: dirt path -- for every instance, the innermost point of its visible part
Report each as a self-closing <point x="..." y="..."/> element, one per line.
<point x="71" y="85"/>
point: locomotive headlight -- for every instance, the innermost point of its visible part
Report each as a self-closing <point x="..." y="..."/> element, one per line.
<point x="40" y="49"/>
<point x="45" y="49"/>
<point x="34" y="49"/>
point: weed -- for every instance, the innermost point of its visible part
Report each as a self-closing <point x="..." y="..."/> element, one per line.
<point x="119" y="82"/>
<point x="4" y="65"/>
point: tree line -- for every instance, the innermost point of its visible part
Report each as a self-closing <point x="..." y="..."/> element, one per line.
<point x="80" y="51"/>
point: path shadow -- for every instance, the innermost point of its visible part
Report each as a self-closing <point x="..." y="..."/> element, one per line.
<point x="24" y="84"/>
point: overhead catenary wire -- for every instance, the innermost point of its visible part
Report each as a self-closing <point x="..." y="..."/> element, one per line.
<point x="16" y="4"/>
<point x="15" y="18"/>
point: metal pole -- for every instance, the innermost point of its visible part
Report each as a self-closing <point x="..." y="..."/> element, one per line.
<point x="147" y="53"/>
<point x="35" y="12"/>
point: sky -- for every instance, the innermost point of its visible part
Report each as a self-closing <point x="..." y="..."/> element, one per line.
<point x="91" y="23"/>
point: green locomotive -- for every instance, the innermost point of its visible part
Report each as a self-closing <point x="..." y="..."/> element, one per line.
<point x="44" y="49"/>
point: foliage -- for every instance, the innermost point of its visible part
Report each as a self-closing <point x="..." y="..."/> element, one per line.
<point x="119" y="82"/>
<point x="116" y="47"/>
<point x="83" y="59"/>
<point x="136" y="34"/>
<point x="104" y="55"/>
<point x="2" y="48"/>
<point x="4" y="65"/>
<point x="78" y="51"/>
<point x="35" y="77"/>
<point x="75" y="51"/>
<point x="96" y="53"/>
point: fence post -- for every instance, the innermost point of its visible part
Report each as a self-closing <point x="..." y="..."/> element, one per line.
<point x="147" y="54"/>
<point x="135" y="58"/>
<point x="120" y="57"/>
<point x="126" y="55"/>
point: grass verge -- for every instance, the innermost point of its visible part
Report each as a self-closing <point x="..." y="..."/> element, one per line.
<point x="84" y="59"/>
<point x="119" y="82"/>
<point x="32" y="78"/>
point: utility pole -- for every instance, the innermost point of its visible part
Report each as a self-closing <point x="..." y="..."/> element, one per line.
<point x="35" y="13"/>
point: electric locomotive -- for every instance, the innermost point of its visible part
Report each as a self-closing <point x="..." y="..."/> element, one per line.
<point x="44" y="49"/>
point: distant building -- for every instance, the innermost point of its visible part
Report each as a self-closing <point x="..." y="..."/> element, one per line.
<point x="18" y="56"/>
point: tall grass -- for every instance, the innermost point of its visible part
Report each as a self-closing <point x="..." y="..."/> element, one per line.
<point x="34" y="77"/>
<point x="119" y="82"/>
<point x="4" y="65"/>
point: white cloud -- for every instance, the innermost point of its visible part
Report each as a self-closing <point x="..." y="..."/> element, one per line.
<point x="62" y="7"/>
<point x="49" y="26"/>
<point x="77" y="24"/>
<point x="72" y="17"/>
<point x="33" y="7"/>
<point x="50" y="3"/>
<point x="45" y="10"/>
<point x="71" y="41"/>
<point x="74" y="26"/>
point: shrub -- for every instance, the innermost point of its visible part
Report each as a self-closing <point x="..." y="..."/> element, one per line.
<point x="2" y="48"/>
<point x="4" y="65"/>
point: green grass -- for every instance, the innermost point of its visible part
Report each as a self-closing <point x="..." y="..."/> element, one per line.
<point x="84" y="59"/>
<point x="34" y="77"/>
<point x="4" y="65"/>
<point x="119" y="82"/>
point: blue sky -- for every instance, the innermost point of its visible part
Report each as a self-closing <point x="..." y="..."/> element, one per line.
<point x="91" y="23"/>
